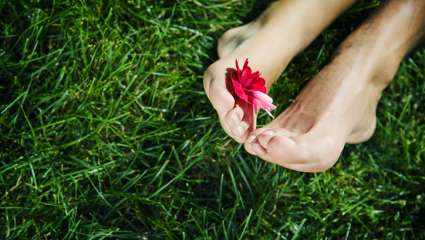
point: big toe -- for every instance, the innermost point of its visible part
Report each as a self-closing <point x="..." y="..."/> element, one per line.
<point x="216" y="91"/>
<point x="299" y="152"/>
<point x="279" y="146"/>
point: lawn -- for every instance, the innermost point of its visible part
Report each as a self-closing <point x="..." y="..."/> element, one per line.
<point x="106" y="132"/>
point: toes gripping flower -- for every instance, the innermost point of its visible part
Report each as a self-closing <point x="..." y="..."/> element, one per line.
<point x="249" y="88"/>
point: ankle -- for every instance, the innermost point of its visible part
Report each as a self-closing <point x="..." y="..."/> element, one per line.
<point x="365" y="72"/>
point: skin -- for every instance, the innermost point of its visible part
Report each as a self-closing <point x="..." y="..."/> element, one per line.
<point x="293" y="23"/>
<point x="338" y="106"/>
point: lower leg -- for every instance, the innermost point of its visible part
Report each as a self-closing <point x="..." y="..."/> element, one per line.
<point x="389" y="35"/>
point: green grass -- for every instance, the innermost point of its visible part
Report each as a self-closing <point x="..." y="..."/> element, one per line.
<point x="106" y="133"/>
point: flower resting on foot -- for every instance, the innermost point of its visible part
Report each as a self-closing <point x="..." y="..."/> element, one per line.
<point x="249" y="90"/>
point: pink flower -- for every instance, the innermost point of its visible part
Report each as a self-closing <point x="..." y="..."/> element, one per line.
<point x="249" y="88"/>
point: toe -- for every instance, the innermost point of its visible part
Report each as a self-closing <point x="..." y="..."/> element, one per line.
<point x="230" y="114"/>
<point x="252" y="144"/>
<point x="217" y="92"/>
<point x="220" y="98"/>
<point x="265" y="137"/>
<point x="277" y="146"/>
<point x="305" y="153"/>
<point x="253" y="147"/>
<point x="235" y="115"/>
<point x="233" y="122"/>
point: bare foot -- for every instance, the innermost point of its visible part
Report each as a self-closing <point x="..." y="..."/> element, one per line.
<point x="338" y="105"/>
<point x="270" y="42"/>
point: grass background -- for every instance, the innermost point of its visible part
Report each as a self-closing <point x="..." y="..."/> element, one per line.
<point x="106" y="133"/>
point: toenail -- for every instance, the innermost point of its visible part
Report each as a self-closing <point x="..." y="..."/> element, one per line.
<point x="235" y="118"/>
<point x="251" y="138"/>
<point x="268" y="132"/>
<point x="258" y="149"/>
<point x="239" y="113"/>
<point x="238" y="130"/>
<point x="244" y="126"/>
<point x="232" y="121"/>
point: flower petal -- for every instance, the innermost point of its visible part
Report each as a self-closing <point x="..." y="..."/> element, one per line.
<point x="245" y="65"/>
<point x="249" y="113"/>
<point x="262" y="100"/>
<point x="239" y="91"/>
<point x="230" y="72"/>
<point x="238" y="70"/>
<point x="249" y="88"/>
<point x="246" y="77"/>
<point x="258" y="85"/>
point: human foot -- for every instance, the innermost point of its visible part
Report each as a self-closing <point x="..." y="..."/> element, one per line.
<point x="338" y="105"/>
<point x="269" y="43"/>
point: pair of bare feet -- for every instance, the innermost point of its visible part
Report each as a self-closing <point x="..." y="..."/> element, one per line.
<point x="338" y="105"/>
